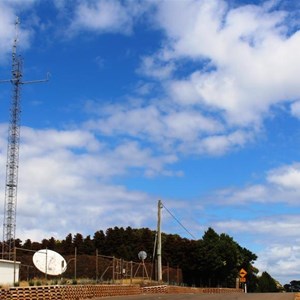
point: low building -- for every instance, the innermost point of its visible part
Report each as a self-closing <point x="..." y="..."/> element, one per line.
<point x="9" y="272"/>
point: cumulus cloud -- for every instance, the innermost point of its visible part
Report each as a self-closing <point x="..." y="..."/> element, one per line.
<point x="284" y="226"/>
<point x="104" y="16"/>
<point x="67" y="175"/>
<point x="281" y="185"/>
<point x="276" y="238"/>
<point x="295" y="109"/>
<point x="286" y="177"/>
<point x="282" y="261"/>
<point x="220" y="144"/>
<point x="8" y="17"/>
<point x="176" y="131"/>
<point x="253" y="57"/>
<point x="153" y="67"/>
<point x="264" y="216"/>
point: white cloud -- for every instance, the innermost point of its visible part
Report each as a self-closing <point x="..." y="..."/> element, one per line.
<point x="266" y="218"/>
<point x="7" y="30"/>
<point x="9" y="11"/>
<point x="65" y="183"/>
<point x="254" y="62"/>
<point x="106" y="16"/>
<point x="220" y="144"/>
<point x="51" y="139"/>
<point x="287" y="177"/>
<point x="277" y="237"/>
<point x="143" y="88"/>
<point x="282" y="185"/>
<point x="267" y="230"/>
<point x="281" y="261"/>
<point x="154" y="67"/>
<point x="174" y="131"/>
<point x="253" y="193"/>
<point x="188" y="124"/>
<point x="295" y="109"/>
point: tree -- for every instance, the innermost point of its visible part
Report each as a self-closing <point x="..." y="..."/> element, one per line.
<point x="18" y="243"/>
<point x="67" y="245"/>
<point x="27" y="244"/>
<point x="293" y="286"/>
<point x="36" y="246"/>
<point x="99" y="240"/>
<point x="88" y="246"/>
<point x="215" y="260"/>
<point x="78" y="243"/>
<point x="266" y="284"/>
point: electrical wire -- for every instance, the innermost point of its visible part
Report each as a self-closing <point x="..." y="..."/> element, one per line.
<point x="178" y="222"/>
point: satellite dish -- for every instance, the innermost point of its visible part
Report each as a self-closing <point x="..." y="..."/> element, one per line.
<point x="142" y="255"/>
<point x="49" y="262"/>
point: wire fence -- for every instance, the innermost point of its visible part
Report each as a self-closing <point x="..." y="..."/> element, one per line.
<point x="99" y="269"/>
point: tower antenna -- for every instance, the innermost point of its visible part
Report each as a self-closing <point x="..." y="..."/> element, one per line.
<point x="12" y="163"/>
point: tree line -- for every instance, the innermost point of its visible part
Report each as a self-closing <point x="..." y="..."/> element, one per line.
<point x="214" y="260"/>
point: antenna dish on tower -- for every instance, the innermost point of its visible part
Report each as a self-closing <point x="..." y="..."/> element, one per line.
<point x="49" y="262"/>
<point x="142" y="255"/>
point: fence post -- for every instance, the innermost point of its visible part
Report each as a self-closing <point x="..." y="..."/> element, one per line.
<point x="113" y="269"/>
<point x="97" y="265"/>
<point x="131" y="271"/>
<point x="75" y="263"/>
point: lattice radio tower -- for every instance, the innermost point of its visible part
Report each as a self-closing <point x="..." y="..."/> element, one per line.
<point x="12" y="163"/>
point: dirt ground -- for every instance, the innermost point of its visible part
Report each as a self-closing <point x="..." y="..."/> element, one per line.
<point x="250" y="296"/>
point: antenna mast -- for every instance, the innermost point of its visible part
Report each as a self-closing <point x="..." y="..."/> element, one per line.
<point x="12" y="163"/>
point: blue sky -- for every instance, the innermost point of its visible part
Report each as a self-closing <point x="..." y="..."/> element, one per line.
<point x="195" y="103"/>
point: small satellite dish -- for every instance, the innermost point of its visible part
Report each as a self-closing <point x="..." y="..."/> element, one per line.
<point x="49" y="262"/>
<point x="142" y="255"/>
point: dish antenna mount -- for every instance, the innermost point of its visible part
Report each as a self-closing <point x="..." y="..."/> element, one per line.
<point x="49" y="262"/>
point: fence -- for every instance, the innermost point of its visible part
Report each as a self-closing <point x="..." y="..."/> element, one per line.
<point x="98" y="268"/>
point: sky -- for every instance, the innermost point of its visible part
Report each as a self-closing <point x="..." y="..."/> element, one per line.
<point x="192" y="102"/>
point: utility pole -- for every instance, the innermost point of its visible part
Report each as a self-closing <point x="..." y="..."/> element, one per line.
<point x="159" y="264"/>
<point x="12" y="163"/>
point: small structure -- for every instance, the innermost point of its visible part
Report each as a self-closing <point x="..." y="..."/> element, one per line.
<point x="142" y="256"/>
<point x="9" y="272"/>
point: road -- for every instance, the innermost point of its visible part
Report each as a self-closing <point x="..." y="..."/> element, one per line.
<point x="250" y="296"/>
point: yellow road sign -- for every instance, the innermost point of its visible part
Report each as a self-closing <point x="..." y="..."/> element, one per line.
<point x="242" y="273"/>
<point x="242" y="279"/>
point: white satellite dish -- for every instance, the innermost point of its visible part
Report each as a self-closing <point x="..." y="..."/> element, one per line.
<point x="49" y="262"/>
<point x="142" y="255"/>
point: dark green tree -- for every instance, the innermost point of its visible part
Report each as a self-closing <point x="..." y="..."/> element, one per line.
<point x="18" y="243"/>
<point x="67" y="246"/>
<point x="88" y="246"/>
<point x="99" y="241"/>
<point x="27" y="244"/>
<point x="266" y="284"/>
<point x="78" y="243"/>
<point x="293" y="286"/>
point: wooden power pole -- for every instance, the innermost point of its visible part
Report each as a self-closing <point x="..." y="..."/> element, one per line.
<point x="159" y="265"/>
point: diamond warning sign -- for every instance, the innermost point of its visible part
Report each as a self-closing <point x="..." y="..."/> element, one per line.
<point x="242" y="273"/>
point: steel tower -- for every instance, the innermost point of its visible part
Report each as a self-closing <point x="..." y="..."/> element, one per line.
<point x="12" y="162"/>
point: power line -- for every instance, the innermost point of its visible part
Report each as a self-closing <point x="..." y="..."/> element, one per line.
<point x="178" y="222"/>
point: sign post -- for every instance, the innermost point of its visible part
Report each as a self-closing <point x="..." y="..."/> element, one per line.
<point x="243" y="274"/>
